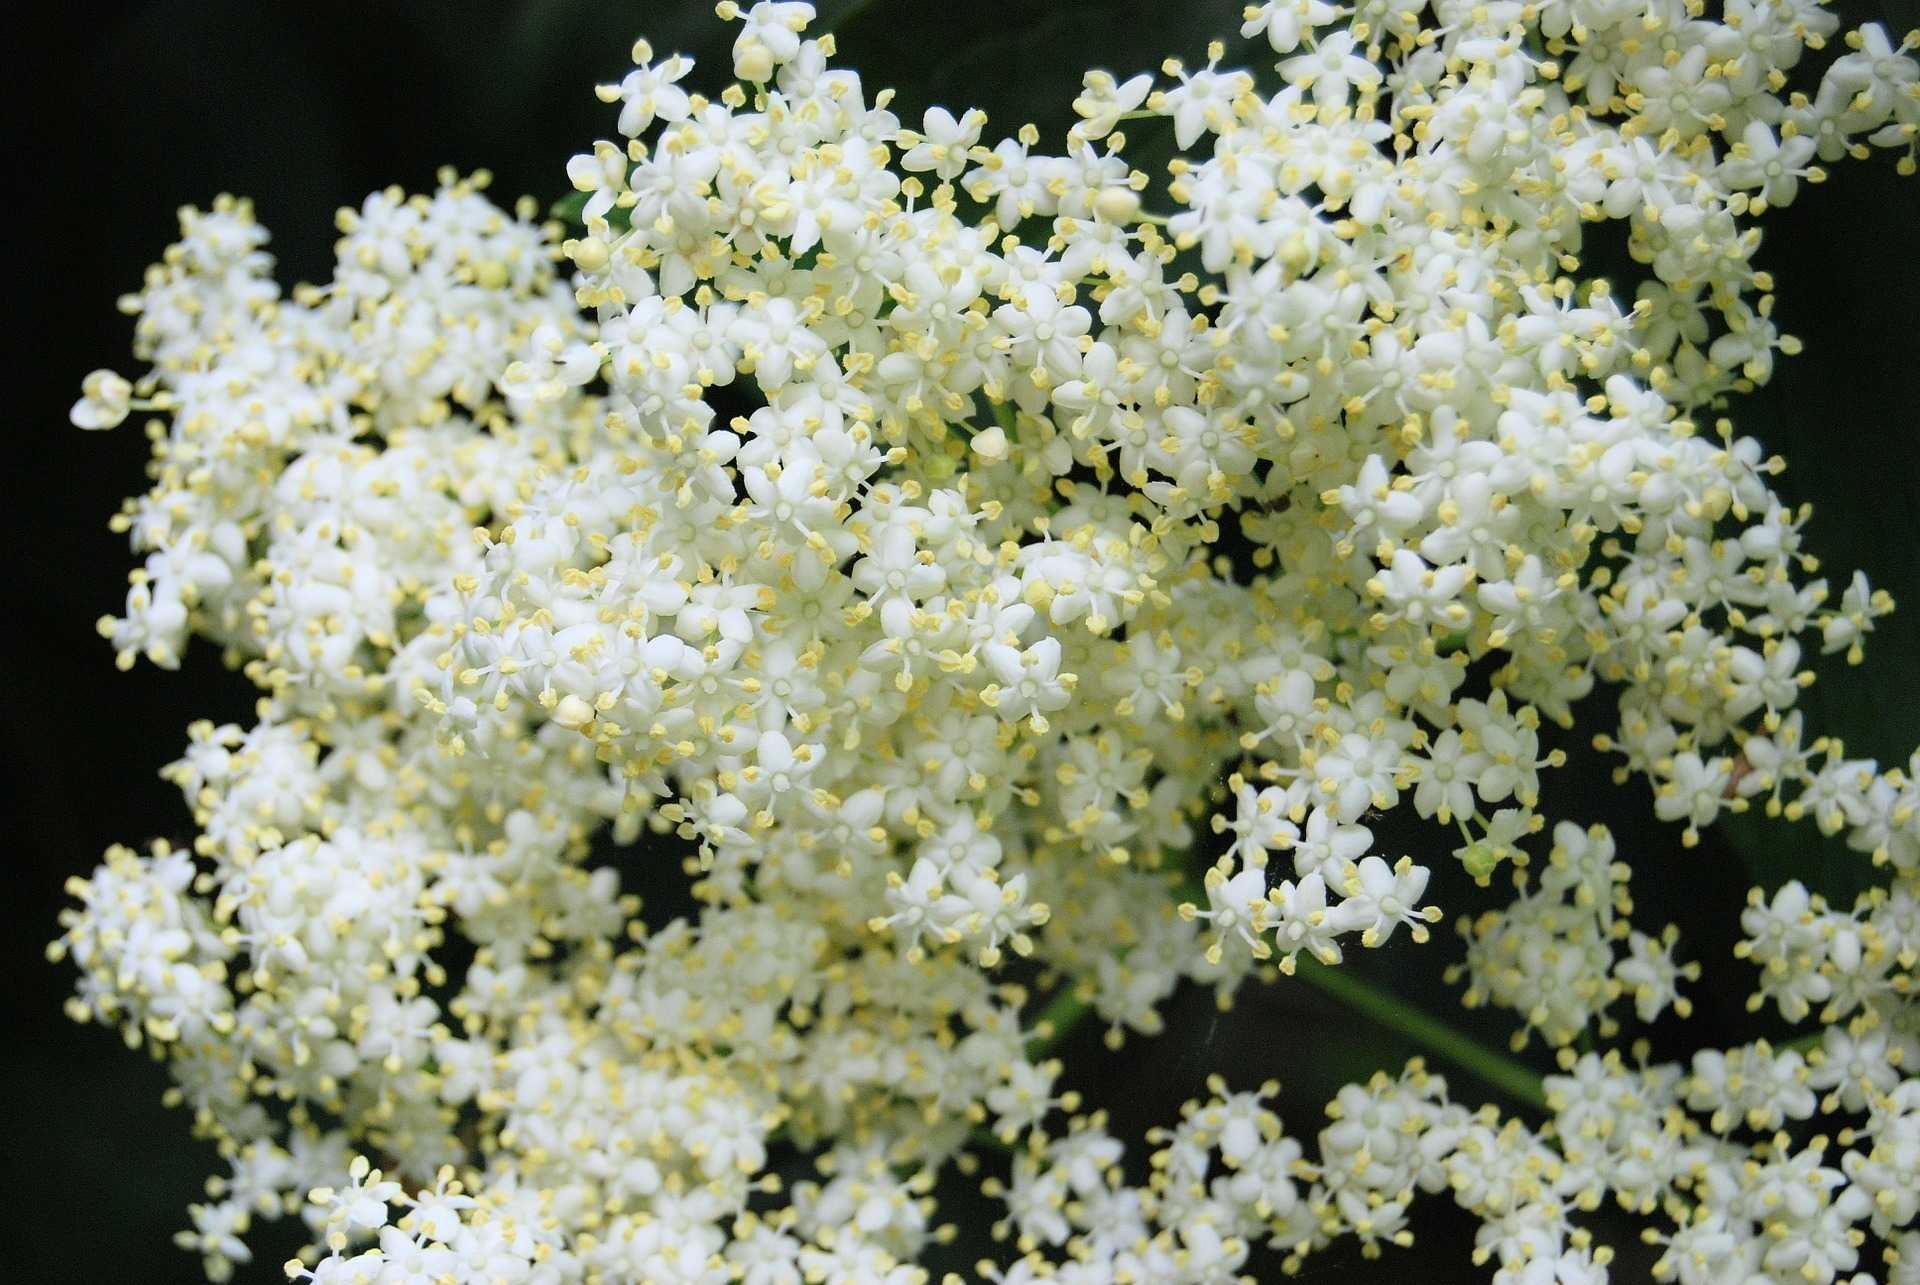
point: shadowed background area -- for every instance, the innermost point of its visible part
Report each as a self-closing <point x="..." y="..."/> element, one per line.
<point x="126" y="113"/>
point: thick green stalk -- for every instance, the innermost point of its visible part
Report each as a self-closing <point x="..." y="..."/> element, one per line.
<point x="1066" y="1010"/>
<point x="1496" y="1070"/>
<point x="1492" y="1068"/>
<point x="1803" y="1044"/>
<point x="1063" y="1012"/>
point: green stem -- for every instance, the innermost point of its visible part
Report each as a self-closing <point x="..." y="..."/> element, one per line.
<point x="1066" y="1010"/>
<point x="1803" y="1044"/>
<point x="1063" y="1012"/>
<point x="1494" y="1069"/>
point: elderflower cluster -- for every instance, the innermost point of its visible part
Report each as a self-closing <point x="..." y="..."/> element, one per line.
<point x="944" y="541"/>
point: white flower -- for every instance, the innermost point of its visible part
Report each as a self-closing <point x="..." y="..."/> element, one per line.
<point x="781" y="515"/>
<point x="1447" y="776"/>
<point x="649" y="93"/>
<point x="1286" y="22"/>
<point x="1767" y="163"/>
<point x="1103" y="101"/>
<point x="362" y="1204"/>
<point x="1237" y="906"/>
<point x="943" y="145"/>
<point x="1203" y="102"/>
<point x="1030" y="683"/>
<point x="105" y="400"/>
<point x="769" y="36"/>
<point x="1332" y="71"/>
<point x="1380" y="898"/>
<point x="1696" y="791"/>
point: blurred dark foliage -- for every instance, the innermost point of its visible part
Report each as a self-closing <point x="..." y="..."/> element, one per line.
<point x="121" y="114"/>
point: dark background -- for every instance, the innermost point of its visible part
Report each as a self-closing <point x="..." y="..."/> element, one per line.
<point x="119" y="114"/>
